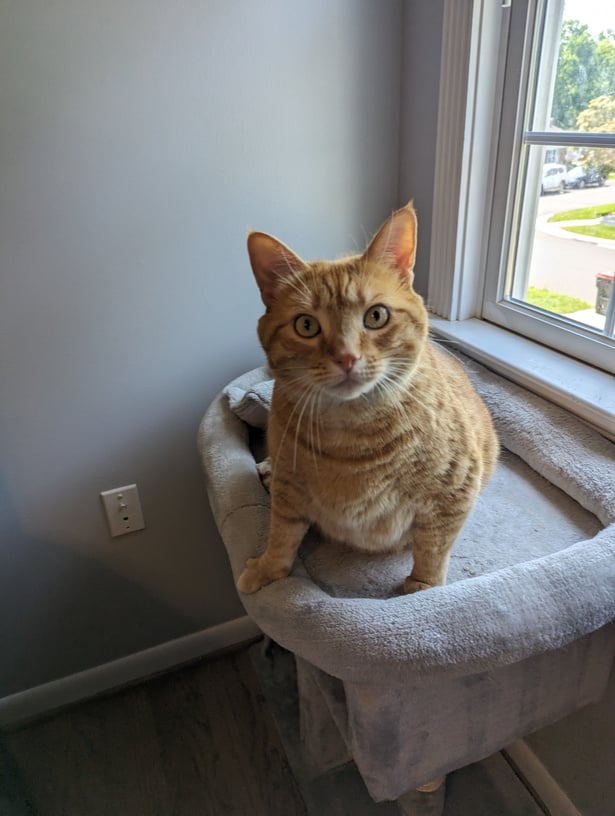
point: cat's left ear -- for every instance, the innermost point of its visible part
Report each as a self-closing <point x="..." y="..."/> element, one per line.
<point x="271" y="261"/>
<point x="395" y="243"/>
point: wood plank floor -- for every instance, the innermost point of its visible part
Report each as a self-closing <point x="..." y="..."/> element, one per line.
<point x="218" y="738"/>
<point x="198" y="742"/>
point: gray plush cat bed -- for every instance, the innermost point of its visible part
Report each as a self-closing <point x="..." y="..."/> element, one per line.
<point x="413" y="686"/>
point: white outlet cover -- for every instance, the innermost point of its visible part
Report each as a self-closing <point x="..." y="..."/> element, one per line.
<point x="123" y="510"/>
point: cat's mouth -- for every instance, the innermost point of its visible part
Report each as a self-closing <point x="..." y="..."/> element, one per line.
<point x="349" y="386"/>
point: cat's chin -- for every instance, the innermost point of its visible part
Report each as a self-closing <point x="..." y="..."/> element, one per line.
<point x="348" y="389"/>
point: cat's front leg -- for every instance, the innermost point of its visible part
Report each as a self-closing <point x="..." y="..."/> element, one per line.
<point x="433" y="537"/>
<point x="285" y="535"/>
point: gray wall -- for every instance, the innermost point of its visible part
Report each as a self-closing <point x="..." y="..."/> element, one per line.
<point x="422" y="29"/>
<point x="138" y="143"/>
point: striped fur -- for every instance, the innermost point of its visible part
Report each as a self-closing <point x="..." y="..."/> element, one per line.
<point x="376" y="437"/>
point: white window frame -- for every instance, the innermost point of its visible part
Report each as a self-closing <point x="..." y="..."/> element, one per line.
<point x="467" y="196"/>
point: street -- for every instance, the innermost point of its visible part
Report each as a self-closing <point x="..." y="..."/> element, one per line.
<point x="573" y="199"/>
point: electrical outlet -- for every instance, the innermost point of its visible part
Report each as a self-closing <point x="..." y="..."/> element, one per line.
<point x="123" y="510"/>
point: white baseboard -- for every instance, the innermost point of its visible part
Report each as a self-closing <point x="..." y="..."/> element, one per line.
<point x="539" y="780"/>
<point x="33" y="702"/>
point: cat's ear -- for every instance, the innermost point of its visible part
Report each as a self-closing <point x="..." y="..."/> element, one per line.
<point x="271" y="262"/>
<point x="395" y="243"/>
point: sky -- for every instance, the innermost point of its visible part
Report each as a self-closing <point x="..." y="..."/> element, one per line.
<point x="599" y="15"/>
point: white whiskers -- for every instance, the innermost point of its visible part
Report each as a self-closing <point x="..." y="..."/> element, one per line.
<point x="392" y="384"/>
<point x="309" y="398"/>
<point x="296" y="282"/>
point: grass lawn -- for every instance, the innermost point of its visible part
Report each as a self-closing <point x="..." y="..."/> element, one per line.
<point x="583" y="212"/>
<point x="595" y="230"/>
<point x="553" y="302"/>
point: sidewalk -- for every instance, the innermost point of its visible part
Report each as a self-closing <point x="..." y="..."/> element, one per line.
<point x="556" y="230"/>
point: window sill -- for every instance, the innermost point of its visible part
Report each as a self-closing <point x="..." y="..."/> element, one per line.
<point x="581" y="389"/>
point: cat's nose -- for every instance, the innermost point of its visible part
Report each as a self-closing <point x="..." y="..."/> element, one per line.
<point x="346" y="362"/>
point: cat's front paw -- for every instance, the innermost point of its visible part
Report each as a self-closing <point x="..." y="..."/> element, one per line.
<point x="412" y="585"/>
<point x="256" y="575"/>
<point x="264" y="471"/>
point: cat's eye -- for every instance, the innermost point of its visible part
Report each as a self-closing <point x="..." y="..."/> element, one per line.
<point x="376" y="317"/>
<point x="307" y="326"/>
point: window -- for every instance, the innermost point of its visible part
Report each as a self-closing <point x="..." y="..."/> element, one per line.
<point x="507" y="133"/>
<point x="551" y="256"/>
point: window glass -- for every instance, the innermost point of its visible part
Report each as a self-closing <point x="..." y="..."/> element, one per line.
<point x="566" y="265"/>
<point x="560" y="262"/>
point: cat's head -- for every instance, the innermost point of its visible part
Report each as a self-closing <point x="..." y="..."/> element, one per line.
<point x="346" y="328"/>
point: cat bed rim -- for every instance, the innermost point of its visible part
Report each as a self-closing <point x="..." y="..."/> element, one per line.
<point x="471" y="625"/>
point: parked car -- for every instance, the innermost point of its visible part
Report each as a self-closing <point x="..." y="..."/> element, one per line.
<point x="553" y="179"/>
<point x="579" y="177"/>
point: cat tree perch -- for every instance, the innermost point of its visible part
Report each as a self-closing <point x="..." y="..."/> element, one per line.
<point x="412" y="687"/>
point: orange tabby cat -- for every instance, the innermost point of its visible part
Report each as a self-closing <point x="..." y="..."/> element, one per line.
<point x="376" y="437"/>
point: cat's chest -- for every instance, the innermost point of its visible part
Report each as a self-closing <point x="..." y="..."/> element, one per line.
<point x="361" y="506"/>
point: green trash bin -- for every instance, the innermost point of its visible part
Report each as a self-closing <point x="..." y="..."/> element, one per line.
<point x="604" y="287"/>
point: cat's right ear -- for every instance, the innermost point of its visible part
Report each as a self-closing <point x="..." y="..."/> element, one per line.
<point x="271" y="261"/>
<point x="395" y="243"/>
